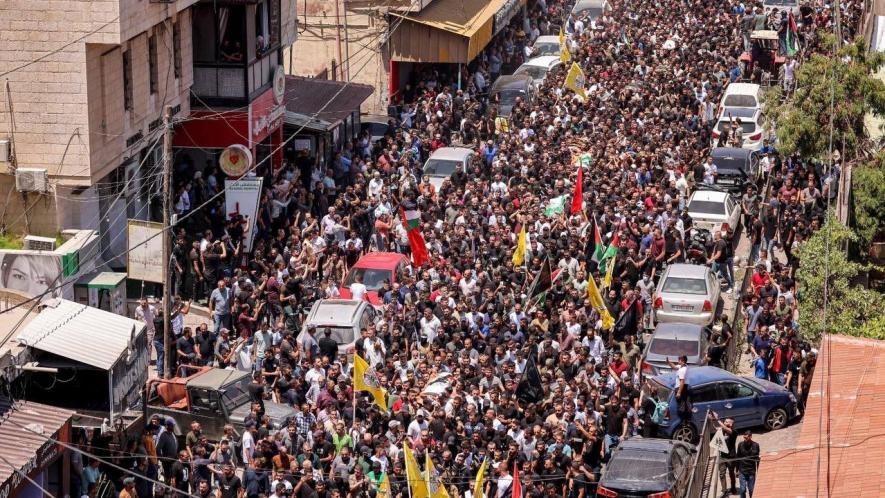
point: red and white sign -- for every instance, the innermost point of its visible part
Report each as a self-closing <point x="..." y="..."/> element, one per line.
<point x="235" y="160"/>
<point x="265" y="116"/>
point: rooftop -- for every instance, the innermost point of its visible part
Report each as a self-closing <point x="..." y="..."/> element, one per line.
<point x="309" y="96"/>
<point x="853" y="415"/>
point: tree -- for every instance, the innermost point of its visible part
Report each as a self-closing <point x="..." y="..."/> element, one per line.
<point x="868" y="189"/>
<point x="842" y="88"/>
<point x="850" y="309"/>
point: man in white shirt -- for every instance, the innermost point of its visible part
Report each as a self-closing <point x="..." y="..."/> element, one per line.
<point x="376" y="184"/>
<point x="430" y="325"/>
<point x="357" y="289"/>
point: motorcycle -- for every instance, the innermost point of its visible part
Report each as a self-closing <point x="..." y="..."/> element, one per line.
<point x="700" y="243"/>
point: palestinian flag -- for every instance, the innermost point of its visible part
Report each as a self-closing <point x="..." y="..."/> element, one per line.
<point x="412" y="223"/>
<point x="411" y="217"/>
<point x="792" y="36"/>
<point x="610" y="253"/>
<point x="594" y="248"/>
<point x="543" y="282"/>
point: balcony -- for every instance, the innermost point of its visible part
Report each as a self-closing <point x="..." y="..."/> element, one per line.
<point x="234" y="83"/>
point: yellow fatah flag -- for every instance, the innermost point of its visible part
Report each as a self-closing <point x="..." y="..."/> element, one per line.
<point x="365" y="379"/>
<point x="519" y="252"/>
<point x="564" y="54"/>
<point x="481" y="473"/>
<point x="596" y="301"/>
<point x="607" y="283"/>
<point x="575" y="80"/>
<point x="417" y="484"/>
<point x="435" y="488"/>
<point x="384" y="488"/>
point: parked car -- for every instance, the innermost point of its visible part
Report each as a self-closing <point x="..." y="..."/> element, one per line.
<point x="538" y="67"/>
<point x="654" y="468"/>
<point x="751" y="124"/>
<point x="687" y="294"/>
<point x="546" y="45"/>
<point x="214" y="397"/>
<point x="751" y="402"/>
<point x="741" y="95"/>
<point x="443" y="163"/>
<point x="376" y="124"/>
<point x="375" y="268"/>
<point x="345" y="318"/>
<point x="672" y="340"/>
<point x="592" y="9"/>
<point x="735" y="167"/>
<point x="506" y="89"/>
<point x="713" y="209"/>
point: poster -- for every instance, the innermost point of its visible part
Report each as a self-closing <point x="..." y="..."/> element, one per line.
<point x="145" y="258"/>
<point x="241" y="198"/>
<point x="32" y="274"/>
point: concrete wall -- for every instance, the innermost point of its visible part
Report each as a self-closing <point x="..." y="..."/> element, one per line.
<point x="317" y="47"/>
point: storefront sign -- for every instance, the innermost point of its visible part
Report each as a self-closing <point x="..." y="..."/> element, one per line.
<point x="129" y="374"/>
<point x="144" y="261"/>
<point x="41" y="459"/>
<point x="265" y="115"/>
<point x="235" y="160"/>
<point x="279" y="85"/>
<point x="506" y="13"/>
<point x="302" y="144"/>
<point x="241" y="198"/>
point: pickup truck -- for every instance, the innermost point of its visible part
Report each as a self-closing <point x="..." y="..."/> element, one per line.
<point x="211" y="396"/>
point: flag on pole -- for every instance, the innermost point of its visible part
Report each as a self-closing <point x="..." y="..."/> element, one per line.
<point x="609" y="253"/>
<point x="609" y="274"/>
<point x="434" y="487"/>
<point x="412" y="224"/>
<point x="594" y="248"/>
<point x="564" y="54"/>
<point x="578" y="197"/>
<point x="481" y="473"/>
<point x="417" y="484"/>
<point x="519" y="252"/>
<point x="529" y="389"/>
<point x="384" y="487"/>
<point x="792" y="36"/>
<point x="556" y="206"/>
<point x="595" y="299"/>
<point x="575" y="80"/>
<point x="543" y="281"/>
<point x="517" y="486"/>
<point x="365" y="379"/>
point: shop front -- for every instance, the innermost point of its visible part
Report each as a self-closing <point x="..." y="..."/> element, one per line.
<point x="203" y="137"/>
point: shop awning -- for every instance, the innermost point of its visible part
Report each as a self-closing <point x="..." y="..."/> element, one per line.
<point x="450" y="31"/>
<point x="26" y="429"/>
<point x="322" y="101"/>
<point x="306" y="122"/>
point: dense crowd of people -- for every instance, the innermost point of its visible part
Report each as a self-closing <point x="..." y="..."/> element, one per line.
<point x="654" y="76"/>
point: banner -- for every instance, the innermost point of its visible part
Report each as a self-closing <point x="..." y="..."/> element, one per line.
<point x="144" y="261"/>
<point x="32" y="273"/>
<point x="241" y="198"/>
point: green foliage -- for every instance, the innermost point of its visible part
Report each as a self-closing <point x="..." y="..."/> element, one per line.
<point x="10" y="241"/>
<point x="851" y="310"/>
<point x="868" y="187"/>
<point x="843" y="84"/>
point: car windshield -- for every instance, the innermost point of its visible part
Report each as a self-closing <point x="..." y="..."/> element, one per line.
<point x="592" y="12"/>
<point x="372" y="277"/>
<point x="791" y="3"/>
<point x="663" y="392"/>
<point x="341" y="335"/>
<point x="735" y="100"/>
<point x="673" y="347"/>
<point x="638" y="466"/>
<point x="682" y="285"/>
<point x="748" y="127"/>
<point x="441" y="167"/>
<point x="235" y="394"/>
<point x="508" y="97"/>
<point x="706" y="207"/>
<point x="536" y="72"/>
<point x="547" y="48"/>
<point x="376" y="128"/>
<point x="729" y="164"/>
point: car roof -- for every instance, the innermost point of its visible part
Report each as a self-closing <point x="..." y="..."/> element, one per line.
<point x="763" y="34"/>
<point x="648" y="444"/>
<point x="686" y="270"/>
<point x="334" y="312"/>
<point x="696" y="376"/>
<point x="547" y="39"/>
<point x="519" y="81"/>
<point x="588" y="4"/>
<point x="740" y="112"/>
<point x="380" y="260"/>
<point x="451" y="153"/>
<point x="374" y="118"/>
<point x="708" y="195"/>
<point x="742" y="89"/>
<point x="544" y="61"/>
<point x="215" y="378"/>
<point x="730" y="152"/>
<point x="679" y="331"/>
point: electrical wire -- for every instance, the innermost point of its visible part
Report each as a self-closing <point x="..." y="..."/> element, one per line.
<point x="26" y="477"/>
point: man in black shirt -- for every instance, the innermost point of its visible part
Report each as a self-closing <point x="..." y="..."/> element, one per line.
<point x="228" y="483"/>
<point x="615" y="424"/>
<point x="181" y="473"/>
<point x="185" y="347"/>
<point x="205" y="344"/>
<point x="747" y="460"/>
<point x="328" y="346"/>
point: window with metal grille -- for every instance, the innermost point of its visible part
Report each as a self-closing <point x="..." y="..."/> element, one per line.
<point x="152" y="63"/>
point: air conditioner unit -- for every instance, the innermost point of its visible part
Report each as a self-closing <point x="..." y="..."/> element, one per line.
<point x="30" y="180"/>
<point x="34" y="243"/>
<point x="4" y="150"/>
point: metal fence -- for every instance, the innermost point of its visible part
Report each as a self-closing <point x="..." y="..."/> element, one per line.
<point x="702" y="468"/>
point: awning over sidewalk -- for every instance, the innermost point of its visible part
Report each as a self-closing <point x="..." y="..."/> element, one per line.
<point x="318" y="104"/>
<point x="451" y="31"/>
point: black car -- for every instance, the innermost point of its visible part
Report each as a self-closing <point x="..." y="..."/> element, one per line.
<point x="735" y="167"/>
<point x="646" y="467"/>
<point x="506" y="89"/>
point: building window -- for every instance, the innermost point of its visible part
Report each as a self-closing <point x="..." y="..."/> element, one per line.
<point x="127" y="80"/>
<point x="219" y="35"/>
<point x="176" y="49"/>
<point x="152" y="63"/>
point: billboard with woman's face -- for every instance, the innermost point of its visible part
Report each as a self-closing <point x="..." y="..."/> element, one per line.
<point x="32" y="274"/>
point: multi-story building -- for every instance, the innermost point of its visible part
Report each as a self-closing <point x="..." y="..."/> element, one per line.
<point x="86" y="83"/>
<point x="239" y="82"/>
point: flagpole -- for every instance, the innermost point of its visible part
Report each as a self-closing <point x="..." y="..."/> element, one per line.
<point x="408" y="479"/>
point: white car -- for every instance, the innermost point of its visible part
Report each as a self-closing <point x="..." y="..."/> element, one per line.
<point x="443" y="163"/>
<point x="713" y="209"/>
<point x="687" y="294"/>
<point x="746" y="95"/>
<point x="751" y="122"/>
<point x="546" y="45"/>
<point x="345" y="319"/>
<point x="538" y="67"/>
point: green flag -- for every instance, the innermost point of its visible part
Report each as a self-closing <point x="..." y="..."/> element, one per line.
<point x="610" y="253"/>
<point x="555" y="206"/>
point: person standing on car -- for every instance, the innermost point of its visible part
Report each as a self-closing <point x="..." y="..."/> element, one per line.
<point x="747" y="456"/>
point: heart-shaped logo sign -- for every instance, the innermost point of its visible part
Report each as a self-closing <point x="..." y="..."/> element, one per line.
<point x="234" y="158"/>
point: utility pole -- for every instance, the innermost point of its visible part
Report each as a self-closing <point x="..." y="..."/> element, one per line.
<point x="167" y="240"/>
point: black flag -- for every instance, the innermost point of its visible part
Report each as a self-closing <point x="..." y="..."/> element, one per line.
<point x="628" y="322"/>
<point x="542" y="283"/>
<point x="530" y="389"/>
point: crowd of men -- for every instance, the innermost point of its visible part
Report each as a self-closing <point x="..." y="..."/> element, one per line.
<point x="655" y="74"/>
